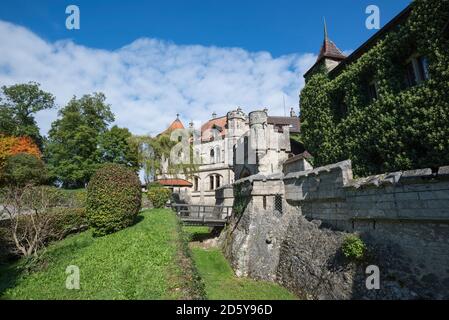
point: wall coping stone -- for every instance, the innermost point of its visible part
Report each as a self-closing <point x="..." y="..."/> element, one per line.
<point x="261" y="177"/>
<point x="344" y="166"/>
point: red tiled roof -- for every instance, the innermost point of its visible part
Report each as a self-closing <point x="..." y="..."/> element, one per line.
<point x="177" y="124"/>
<point x="175" y="183"/>
<point x="217" y="124"/>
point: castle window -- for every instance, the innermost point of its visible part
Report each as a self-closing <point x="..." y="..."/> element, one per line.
<point x="278" y="204"/>
<point x="212" y="156"/>
<point x="211" y="183"/>
<point x="372" y="91"/>
<point x="217" y="182"/>
<point x="423" y="64"/>
<point x="246" y="149"/>
<point x="417" y="71"/>
<point x="196" y="181"/>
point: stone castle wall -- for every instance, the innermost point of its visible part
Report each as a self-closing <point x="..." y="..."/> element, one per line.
<point x="404" y="216"/>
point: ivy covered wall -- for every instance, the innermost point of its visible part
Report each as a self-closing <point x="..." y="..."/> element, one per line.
<point x="405" y="127"/>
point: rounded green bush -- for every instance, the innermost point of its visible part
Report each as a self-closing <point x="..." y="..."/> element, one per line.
<point x="158" y="195"/>
<point x="353" y="247"/>
<point x="114" y="199"/>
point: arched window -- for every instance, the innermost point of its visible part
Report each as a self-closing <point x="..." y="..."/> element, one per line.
<point x="211" y="183"/>
<point x="217" y="181"/>
<point x="196" y="183"/>
<point x="212" y="156"/>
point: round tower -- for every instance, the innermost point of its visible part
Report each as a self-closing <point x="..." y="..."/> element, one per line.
<point x="236" y="123"/>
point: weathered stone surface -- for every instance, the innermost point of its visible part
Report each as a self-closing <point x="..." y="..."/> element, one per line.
<point x="403" y="217"/>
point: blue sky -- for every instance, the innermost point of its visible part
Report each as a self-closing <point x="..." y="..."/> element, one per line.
<point x="154" y="59"/>
<point x="277" y="26"/>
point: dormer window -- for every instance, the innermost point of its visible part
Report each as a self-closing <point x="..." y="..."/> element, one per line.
<point x="417" y="71"/>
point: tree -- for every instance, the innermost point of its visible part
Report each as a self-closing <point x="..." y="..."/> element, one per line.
<point x="18" y="105"/>
<point x="23" y="169"/>
<point x="10" y="146"/>
<point x="117" y="146"/>
<point x="154" y="157"/>
<point x="71" y="151"/>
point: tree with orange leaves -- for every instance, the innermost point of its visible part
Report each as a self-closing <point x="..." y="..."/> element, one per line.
<point x="10" y="146"/>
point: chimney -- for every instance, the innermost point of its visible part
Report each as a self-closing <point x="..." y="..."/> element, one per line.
<point x="214" y="115"/>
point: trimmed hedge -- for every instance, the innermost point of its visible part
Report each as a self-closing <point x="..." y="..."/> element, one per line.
<point x="158" y="195"/>
<point x="68" y="221"/>
<point x="114" y="199"/>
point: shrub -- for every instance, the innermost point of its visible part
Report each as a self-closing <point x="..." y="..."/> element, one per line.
<point x="67" y="221"/>
<point x="353" y="247"/>
<point x="113" y="199"/>
<point x="158" y="195"/>
<point x="22" y="169"/>
<point x="74" y="198"/>
<point x="28" y="210"/>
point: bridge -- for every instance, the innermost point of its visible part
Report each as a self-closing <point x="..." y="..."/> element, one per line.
<point x="202" y="215"/>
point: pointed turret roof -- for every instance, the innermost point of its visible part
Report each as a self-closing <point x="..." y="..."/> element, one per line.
<point x="329" y="49"/>
<point x="177" y="124"/>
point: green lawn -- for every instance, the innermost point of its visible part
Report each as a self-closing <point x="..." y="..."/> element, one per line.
<point x="144" y="261"/>
<point x="220" y="281"/>
<point x="149" y="260"/>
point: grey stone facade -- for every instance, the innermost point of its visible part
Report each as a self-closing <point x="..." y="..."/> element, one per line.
<point x="402" y="216"/>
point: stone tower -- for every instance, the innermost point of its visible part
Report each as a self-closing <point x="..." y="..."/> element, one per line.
<point x="236" y="128"/>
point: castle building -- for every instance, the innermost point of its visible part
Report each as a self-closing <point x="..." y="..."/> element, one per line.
<point x="328" y="58"/>
<point x="220" y="152"/>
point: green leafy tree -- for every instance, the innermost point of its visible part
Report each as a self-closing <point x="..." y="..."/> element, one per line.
<point x="117" y="146"/>
<point x="154" y="155"/>
<point x="23" y="169"/>
<point x="18" y="105"/>
<point x="71" y="151"/>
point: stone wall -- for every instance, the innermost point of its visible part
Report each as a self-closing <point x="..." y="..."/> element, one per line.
<point x="403" y="217"/>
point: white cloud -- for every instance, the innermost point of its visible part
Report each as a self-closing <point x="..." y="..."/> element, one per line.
<point x="148" y="81"/>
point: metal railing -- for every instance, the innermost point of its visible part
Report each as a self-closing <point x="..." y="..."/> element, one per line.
<point x="203" y="214"/>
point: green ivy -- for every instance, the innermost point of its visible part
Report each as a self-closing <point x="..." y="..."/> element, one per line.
<point x="240" y="199"/>
<point x="405" y="128"/>
<point x="353" y="247"/>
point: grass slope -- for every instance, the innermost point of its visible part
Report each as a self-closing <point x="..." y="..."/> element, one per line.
<point x="140" y="262"/>
<point x="219" y="278"/>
